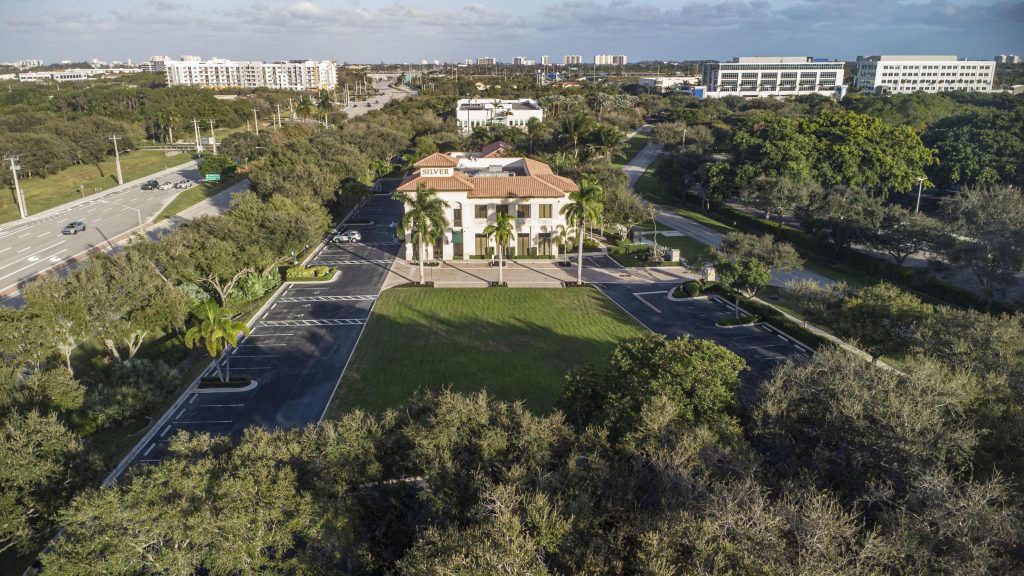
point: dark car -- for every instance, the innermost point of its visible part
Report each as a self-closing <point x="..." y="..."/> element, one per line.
<point x="73" y="228"/>
<point x="150" y="185"/>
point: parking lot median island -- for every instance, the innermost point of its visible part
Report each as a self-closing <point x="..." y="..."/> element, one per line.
<point x="209" y="382"/>
<point x="309" y="274"/>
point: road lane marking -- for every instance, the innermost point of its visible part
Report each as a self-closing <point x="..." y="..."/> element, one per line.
<point x="28" y="266"/>
<point x="23" y="249"/>
<point x="323" y="322"/>
<point x="148" y="450"/>
<point x="649" y="305"/>
<point x="44" y="234"/>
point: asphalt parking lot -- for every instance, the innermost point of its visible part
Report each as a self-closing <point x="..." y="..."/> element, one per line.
<point x="761" y="346"/>
<point x="299" y="345"/>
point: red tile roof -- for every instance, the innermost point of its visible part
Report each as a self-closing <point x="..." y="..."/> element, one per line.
<point x="539" y="182"/>
<point x="437" y="160"/>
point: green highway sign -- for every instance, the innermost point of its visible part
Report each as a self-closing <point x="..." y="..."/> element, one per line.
<point x="212" y="177"/>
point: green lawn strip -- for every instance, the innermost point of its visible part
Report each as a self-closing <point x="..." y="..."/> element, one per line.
<point x="634" y="145"/>
<point x="515" y="343"/>
<point x="196" y="194"/>
<point x="62" y="187"/>
<point x="690" y="248"/>
<point x="653" y="189"/>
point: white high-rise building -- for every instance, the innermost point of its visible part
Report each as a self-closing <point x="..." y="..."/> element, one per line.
<point x="904" y="74"/>
<point x="545" y="60"/>
<point x="610" y="59"/>
<point x="486" y="61"/>
<point x="758" y="76"/>
<point x="521" y="61"/>
<point x="217" y="73"/>
<point x="570" y="59"/>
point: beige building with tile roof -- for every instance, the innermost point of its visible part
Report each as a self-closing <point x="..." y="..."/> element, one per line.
<point x="476" y="188"/>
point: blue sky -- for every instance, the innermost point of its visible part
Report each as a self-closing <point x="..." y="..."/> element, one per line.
<point x="410" y="30"/>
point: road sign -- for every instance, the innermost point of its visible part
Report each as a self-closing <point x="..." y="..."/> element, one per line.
<point x="212" y="177"/>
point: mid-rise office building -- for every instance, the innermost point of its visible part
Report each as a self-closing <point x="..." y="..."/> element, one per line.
<point x="477" y="187"/>
<point x="572" y="59"/>
<point x="759" y="76"/>
<point x="904" y="74"/>
<point x="474" y="112"/>
<point x="666" y="83"/>
<point x="218" y="73"/>
<point x="486" y="61"/>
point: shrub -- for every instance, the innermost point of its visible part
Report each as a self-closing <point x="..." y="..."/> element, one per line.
<point x="741" y="321"/>
<point x="309" y="273"/>
<point x="137" y="386"/>
<point x="253" y="285"/>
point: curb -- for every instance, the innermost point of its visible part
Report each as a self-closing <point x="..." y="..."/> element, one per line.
<point x="252" y="384"/>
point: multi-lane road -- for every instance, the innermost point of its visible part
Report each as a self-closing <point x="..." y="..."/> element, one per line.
<point x="34" y="245"/>
<point x="388" y="93"/>
<point x="298" y="347"/>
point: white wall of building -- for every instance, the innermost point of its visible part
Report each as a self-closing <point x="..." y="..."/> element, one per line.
<point x="217" y="73"/>
<point x="760" y="76"/>
<point x="905" y="74"/>
<point x="474" y="112"/>
<point x="666" y="83"/>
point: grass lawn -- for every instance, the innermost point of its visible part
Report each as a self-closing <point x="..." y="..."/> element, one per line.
<point x="653" y="189"/>
<point x="62" y="187"/>
<point x="194" y="195"/>
<point x="690" y="248"/>
<point x="633" y="145"/>
<point x="516" y="343"/>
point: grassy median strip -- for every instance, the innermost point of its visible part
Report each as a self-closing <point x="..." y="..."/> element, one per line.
<point x="634" y="145"/>
<point x="62" y="187"/>
<point x="517" y="344"/>
<point x="194" y="195"/>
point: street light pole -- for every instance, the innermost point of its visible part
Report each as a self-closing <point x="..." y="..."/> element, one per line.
<point x="278" y="106"/>
<point x="22" y="209"/>
<point x="213" y="138"/>
<point x="117" y="159"/>
<point x="920" y="185"/>
<point x="256" y="121"/>
<point x="195" y="127"/>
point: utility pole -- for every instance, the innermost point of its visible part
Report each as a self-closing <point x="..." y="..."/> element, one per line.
<point x="291" y="109"/>
<point x="195" y="128"/>
<point x="213" y="137"/>
<point x="256" y="121"/>
<point x="117" y="159"/>
<point x="278" y="106"/>
<point x="22" y="210"/>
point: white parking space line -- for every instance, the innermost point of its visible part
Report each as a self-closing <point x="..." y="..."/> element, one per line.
<point x="26" y="234"/>
<point x="646" y="293"/>
<point x="148" y="450"/>
<point x="261" y="334"/>
<point x="43" y="235"/>
<point x="166" y="430"/>
<point x="322" y="322"/>
<point x="649" y="305"/>
<point x="220" y="405"/>
<point x="204" y="422"/>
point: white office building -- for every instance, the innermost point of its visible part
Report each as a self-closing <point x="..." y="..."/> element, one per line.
<point x="73" y="74"/>
<point x="475" y="112"/>
<point x="905" y="74"/>
<point x="760" y="76"/>
<point x="667" y="83"/>
<point x="477" y="188"/>
<point x="545" y="60"/>
<point x="571" y="59"/>
<point x="218" y="73"/>
<point x="486" y="61"/>
<point x="522" y="61"/>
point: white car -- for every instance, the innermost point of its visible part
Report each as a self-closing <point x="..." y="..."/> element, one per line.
<point x="183" y="184"/>
<point x="347" y="237"/>
<point x="165" y="186"/>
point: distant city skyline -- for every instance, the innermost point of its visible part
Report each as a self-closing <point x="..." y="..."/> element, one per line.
<point x="413" y="30"/>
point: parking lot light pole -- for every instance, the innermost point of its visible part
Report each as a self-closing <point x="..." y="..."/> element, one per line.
<point x="920" y="185"/>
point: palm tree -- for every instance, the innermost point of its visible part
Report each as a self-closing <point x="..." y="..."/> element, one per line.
<point x="562" y="240"/>
<point x="324" y="104"/>
<point x="608" y="140"/>
<point x="575" y="127"/>
<point x="218" y="330"/>
<point x="586" y="205"/>
<point x="503" y="234"/>
<point x="424" y="215"/>
<point x="305" y="108"/>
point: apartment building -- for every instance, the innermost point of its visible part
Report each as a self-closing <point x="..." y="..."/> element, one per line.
<point x="572" y="59"/>
<point x="219" y="73"/>
<point x="545" y="60"/>
<point x="760" y="76"/>
<point x="486" y="61"/>
<point x="473" y="112"/>
<point x="904" y="74"/>
<point x="476" y="189"/>
<point x="522" y="61"/>
<point x="610" y="60"/>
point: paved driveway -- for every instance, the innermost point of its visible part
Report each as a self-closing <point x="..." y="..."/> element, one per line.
<point x="761" y="346"/>
<point x="298" y="348"/>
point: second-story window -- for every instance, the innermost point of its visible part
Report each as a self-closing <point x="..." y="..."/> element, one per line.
<point x="523" y="211"/>
<point x="501" y="208"/>
<point x="545" y="210"/>
<point x="480" y="210"/>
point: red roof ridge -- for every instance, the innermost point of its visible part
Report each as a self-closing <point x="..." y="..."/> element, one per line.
<point x="437" y="160"/>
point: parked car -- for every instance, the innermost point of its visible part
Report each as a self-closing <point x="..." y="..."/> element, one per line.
<point x="74" y="227"/>
<point x="369" y="105"/>
<point x="347" y="237"/>
<point x="150" y="185"/>
<point x="181" y="185"/>
<point x="165" y="186"/>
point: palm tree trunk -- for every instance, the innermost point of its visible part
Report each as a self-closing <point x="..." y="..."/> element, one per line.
<point x="579" y="270"/>
<point x="423" y="254"/>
